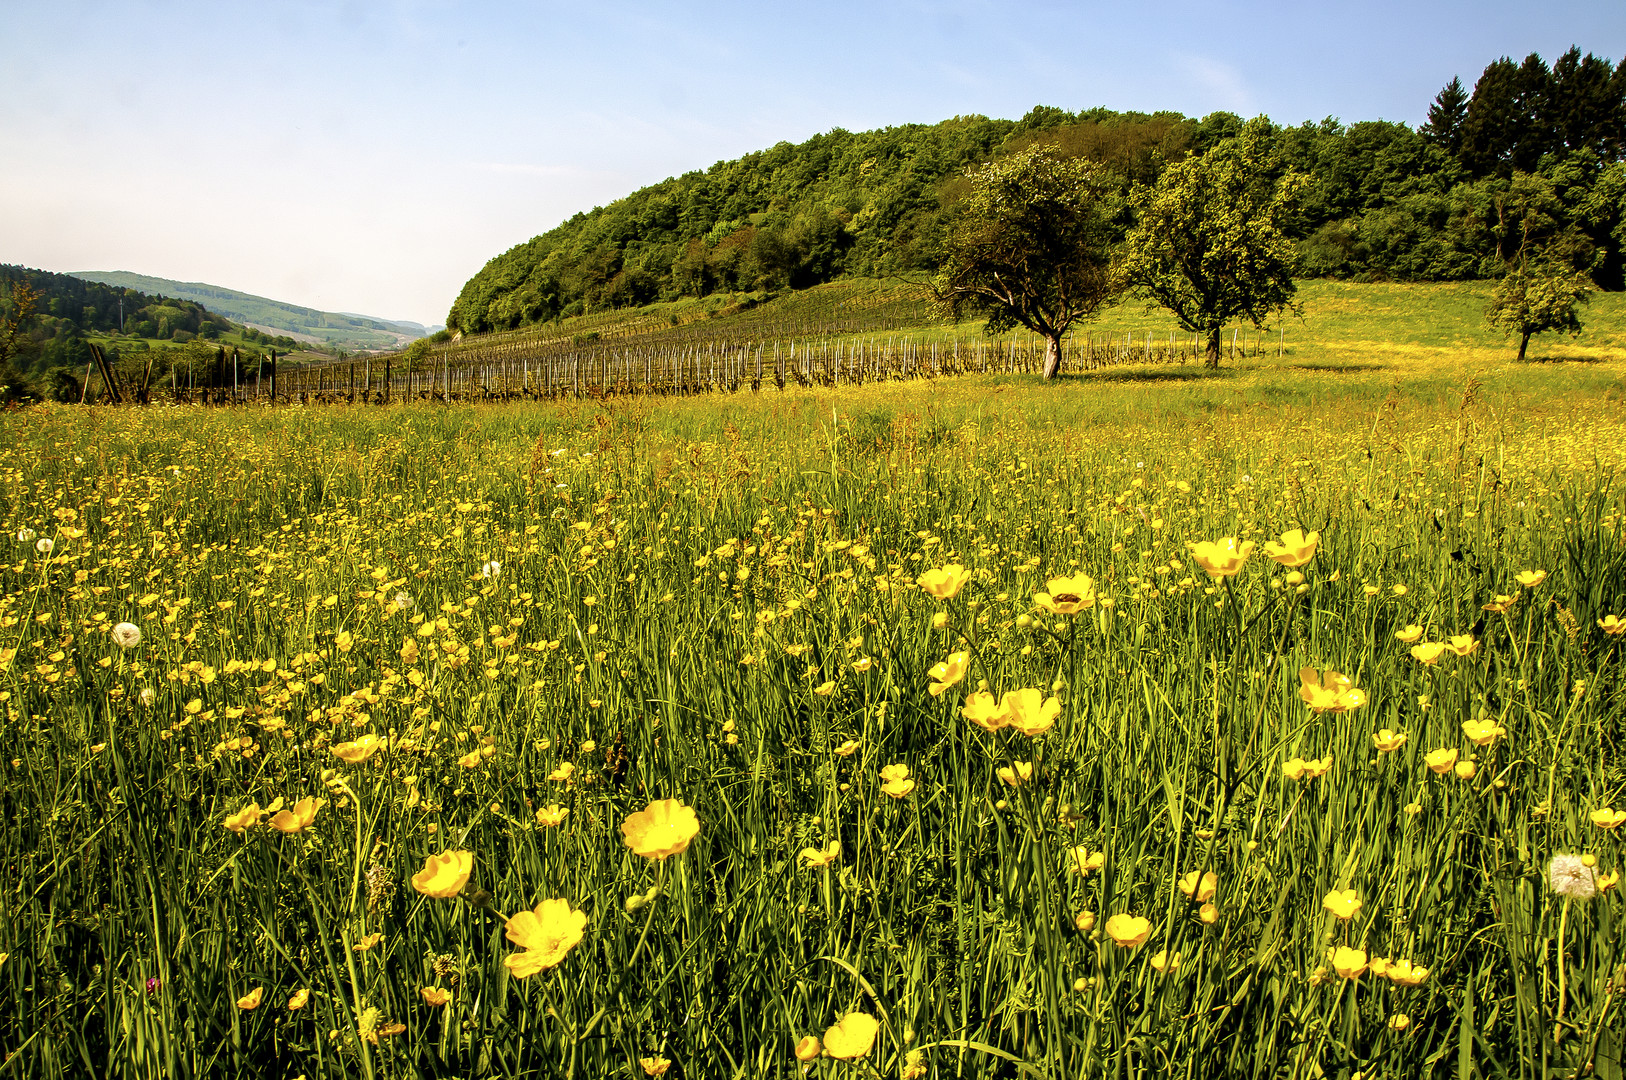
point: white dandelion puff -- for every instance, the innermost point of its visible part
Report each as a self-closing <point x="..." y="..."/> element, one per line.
<point x="1571" y="877"/>
<point x="126" y="635"/>
<point x="44" y="545"/>
<point x="491" y="569"/>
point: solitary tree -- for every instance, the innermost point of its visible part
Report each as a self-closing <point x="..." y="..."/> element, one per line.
<point x="1535" y="299"/>
<point x="1210" y="243"/>
<point x="1030" y="246"/>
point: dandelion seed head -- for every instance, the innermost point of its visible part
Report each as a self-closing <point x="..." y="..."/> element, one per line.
<point x="1570" y="876"/>
<point x="126" y="635"/>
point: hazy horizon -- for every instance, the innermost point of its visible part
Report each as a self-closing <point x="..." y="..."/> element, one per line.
<point x="370" y="158"/>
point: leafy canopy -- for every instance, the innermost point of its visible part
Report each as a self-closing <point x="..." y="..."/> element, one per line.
<point x="1031" y="245"/>
<point x="1535" y="299"/>
<point x="1211" y="242"/>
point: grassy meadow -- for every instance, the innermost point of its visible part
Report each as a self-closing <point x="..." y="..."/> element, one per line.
<point x="414" y="686"/>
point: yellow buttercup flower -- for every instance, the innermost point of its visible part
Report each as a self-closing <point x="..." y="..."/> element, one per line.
<point x="1067" y="596"/>
<point x="1163" y="964"/>
<point x="1296" y="547"/>
<point x="1199" y="890"/>
<point x="1030" y="712"/>
<point x="1332" y="692"/>
<point x="1531" y="578"/>
<point x="551" y="815"/>
<point x="435" y="995"/>
<point x="663" y="828"/>
<point x="981" y="709"/>
<point x="1350" y="963"/>
<point x="297" y="819"/>
<point x="1441" y="760"/>
<point x="546" y="933"/>
<point x="1343" y="905"/>
<point x="1483" y="732"/>
<point x="1612" y="624"/>
<point x="948" y="672"/>
<point x="1222" y="558"/>
<point x="851" y="1037"/>
<point x="1462" y="644"/>
<point x="1405" y="973"/>
<point x="1128" y="931"/>
<point x="1608" y="818"/>
<point x="1389" y="741"/>
<point x="944" y="583"/>
<point x="896" y="783"/>
<point x="298" y="998"/>
<point x="251" y="1000"/>
<point x="354" y="753"/>
<point x="846" y="749"/>
<point x="808" y="1048"/>
<point x="1306" y="768"/>
<point x="444" y="875"/>
<point x="1083" y="860"/>
<point x="654" y="1066"/>
<point x="1410" y="634"/>
<point x="1428" y="651"/>
<point x="247" y="817"/>
<point x="818" y="858"/>
<point x="1208" y="913"/>
<point x="1016" y="773"/>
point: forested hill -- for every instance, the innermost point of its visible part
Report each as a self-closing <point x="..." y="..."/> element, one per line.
<point x="69" y="312"/>
<point x="331" y="328"/>
<point x="1532" y="149"/>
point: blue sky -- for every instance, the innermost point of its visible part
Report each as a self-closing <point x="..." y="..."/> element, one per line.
<point x="370" y="157"/>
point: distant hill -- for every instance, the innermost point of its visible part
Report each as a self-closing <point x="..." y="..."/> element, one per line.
<point x="334" y="329"/>
<point x="133" y="327"/>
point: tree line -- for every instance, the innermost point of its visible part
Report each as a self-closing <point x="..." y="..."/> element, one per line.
<point x="1531" y="158"/>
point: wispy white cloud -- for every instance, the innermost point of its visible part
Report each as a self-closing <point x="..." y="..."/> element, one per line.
<point x="1219" y="83"/>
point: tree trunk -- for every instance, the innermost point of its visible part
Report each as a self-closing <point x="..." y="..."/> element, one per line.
<point x="1052" y="355"/>
<point x="1524" y="339"/>
<point x="1213" y="354"/>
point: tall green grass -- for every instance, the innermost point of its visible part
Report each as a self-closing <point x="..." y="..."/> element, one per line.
<point x="643" y="621"/>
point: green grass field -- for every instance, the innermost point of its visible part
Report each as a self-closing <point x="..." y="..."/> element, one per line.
<point x="505" y="631"/>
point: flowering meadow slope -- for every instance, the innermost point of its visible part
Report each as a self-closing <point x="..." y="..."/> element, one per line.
<point x="913" y="731"/>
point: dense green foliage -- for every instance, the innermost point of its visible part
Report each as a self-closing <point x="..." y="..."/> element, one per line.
<point x="335" y="329"/>
<point x="1210" y="245"/>
<point x="71" y="313"/>
<point x="1535" y="156"/>
<point x="1031" y="247"/>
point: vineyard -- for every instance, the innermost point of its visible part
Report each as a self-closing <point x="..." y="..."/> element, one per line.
<point x="832" y="336"/>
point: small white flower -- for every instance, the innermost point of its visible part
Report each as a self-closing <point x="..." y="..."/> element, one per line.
<point x="147" y="695"/>
<point x="26" y="536"/>
<point x="558" y="453"/>
<point x="403" y="602"/>
<point x="43" y="545"/>
<point x="1246" y="479"/>
<point x="1569" y="876"/>
<point x="126" y="635"/>
<point x="491" y="569"/>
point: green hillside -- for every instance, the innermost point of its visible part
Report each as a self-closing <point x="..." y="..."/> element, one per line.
<point x="329" y="328"/>
<point x="1533" y="155"/>
<point x="135" y="329"/>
